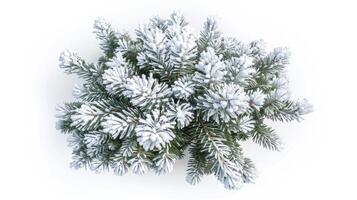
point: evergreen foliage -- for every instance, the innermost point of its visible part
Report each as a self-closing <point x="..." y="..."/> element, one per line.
<point x="153" y="96"/>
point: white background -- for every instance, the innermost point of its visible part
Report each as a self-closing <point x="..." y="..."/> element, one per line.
<point x="318" y="161"/>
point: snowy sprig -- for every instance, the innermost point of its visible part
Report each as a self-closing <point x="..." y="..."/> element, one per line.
<point x="257" y="99"/>
<point x="121" y="124"/>
<point x="164" y="163"/>
<point x="246" y="124"/>
<point x="182" y="113"/>
<point x="184" y="87"/>
<point x="107" y="36"/>
<point x="139" y="164"/>
<point x="210" y="36"/>
<point x="233" y="48"/>
<point x="169" y="47"/>
<point x="117" y="75"/>
<point x="166" y="92"/>
<point x="183" y="51"/>
<point x="71" y="63"/>
<point x="182" y="46"/>
<point x="88" y="116"/>
<point x="116" y="61"/>
<point x="240" y="69"/>
<point x="115" y="79"/>
<point x="155" y="131"/>
<point x="154" y="52"/>
<point x="146" y="91"/>
<point x="223" y="102"/>
<point x="210" y="68"/>
<point x="69" y="60"/>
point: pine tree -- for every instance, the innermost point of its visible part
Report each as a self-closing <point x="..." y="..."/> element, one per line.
<point x="152" y="96"/>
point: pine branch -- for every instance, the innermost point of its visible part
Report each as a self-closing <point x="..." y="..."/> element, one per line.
<point x="107" y="36"/>
<point x="265" y="136"/>
<point x="248" y="171"/>
<point x="154" y="55"/>
<point x="139" y="163"/>
<point x="91" y="92"/>
<point x="130" y="49"/>
<point x="196" y="165"/>
<point x="223" y="103"/>
<point x="146" y="92"/>
<point x="120" y="165"/>
<point x="274" y="62"/>
<point x="242" y="126"/>
<point x="128" y="147"/>
<point x="88" y="116"/>
<point x="64" y="113"/>
<point x="73" y="64"/>
<point x="150" y="97"/>
<point x="164" y="161"/>
<point x="210" y="36"/>
<point x="219" y="155"/>
<point x="233" y="48"/>
<point x="122" y="124"/>
<point x="281" y="110"/>
<point x="80" y="157"/>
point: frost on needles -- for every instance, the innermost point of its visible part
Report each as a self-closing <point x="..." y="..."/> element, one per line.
<point x="166" y="92"/>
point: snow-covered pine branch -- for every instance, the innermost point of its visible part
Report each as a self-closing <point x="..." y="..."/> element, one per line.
<point x="107" y="36"/>
<point x="210" y="36"/>
<point x="152" y="96"/>
<point x="146" y="92"/>
<point x="183" y="87"/>
<point x="223" y="103"/>
<point x="117" y="74"/>
<point x="121" y="124"/>
<point x="210" y="70"/>
<point x="164" y="162"/>
<point x="155" y="131"/>
<point x="73" y="64"/>
<point x="181" y="113"/>
<point x="219" y="156"/>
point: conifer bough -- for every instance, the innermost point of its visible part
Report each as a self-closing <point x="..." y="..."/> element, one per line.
<point x="166" y="92"/>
